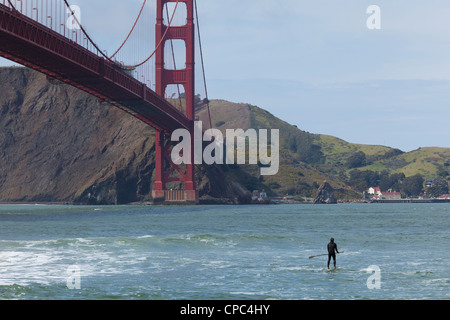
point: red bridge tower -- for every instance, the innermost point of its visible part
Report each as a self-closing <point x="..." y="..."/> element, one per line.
<point x="164" y="167"/>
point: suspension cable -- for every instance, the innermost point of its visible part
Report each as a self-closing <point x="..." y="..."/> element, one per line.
<point x="12" y="6"/>
<point x="85" y="33"/>
<point x="160" y="42"/>
<point x="203" y="65"/>
<point x="131" y="31"/>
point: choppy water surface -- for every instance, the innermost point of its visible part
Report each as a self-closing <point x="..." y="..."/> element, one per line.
<point x="224" y="252"/>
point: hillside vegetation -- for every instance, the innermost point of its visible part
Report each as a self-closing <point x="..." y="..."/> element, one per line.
<point x="307" y="159"/>
<point x="428" y="162"/>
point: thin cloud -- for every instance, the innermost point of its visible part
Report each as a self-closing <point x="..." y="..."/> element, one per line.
<point x="286" y="56"/>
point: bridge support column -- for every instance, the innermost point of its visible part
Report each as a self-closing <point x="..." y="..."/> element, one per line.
<point x="158" y="188"/>
<point x="163" y="78"/>
<point x="166" y="171"/>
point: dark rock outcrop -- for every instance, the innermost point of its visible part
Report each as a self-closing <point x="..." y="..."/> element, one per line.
<point x="325" y="194"/>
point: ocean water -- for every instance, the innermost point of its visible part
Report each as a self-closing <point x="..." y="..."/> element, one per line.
<point x="224" y="252"/>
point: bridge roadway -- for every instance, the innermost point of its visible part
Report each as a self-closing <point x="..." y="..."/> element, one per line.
<point x="32" y="44"/>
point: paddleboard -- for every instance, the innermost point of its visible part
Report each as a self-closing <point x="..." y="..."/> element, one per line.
<point x="332" y="269"/>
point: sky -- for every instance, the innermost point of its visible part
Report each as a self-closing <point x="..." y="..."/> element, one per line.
<point x="317" y="65"/>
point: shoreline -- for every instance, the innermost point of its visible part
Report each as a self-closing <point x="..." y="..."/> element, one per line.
<point x="412" y="201"/>
<point x="147" y="203"/>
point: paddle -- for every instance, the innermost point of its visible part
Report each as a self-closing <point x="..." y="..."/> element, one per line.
<point x="321" y="255"/>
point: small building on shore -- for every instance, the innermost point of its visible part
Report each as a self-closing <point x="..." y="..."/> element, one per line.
<point x="390" y="196"/>
<point x="373" y="191"/>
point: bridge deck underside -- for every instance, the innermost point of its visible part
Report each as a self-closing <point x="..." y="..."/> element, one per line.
<point x="33" y="45"/>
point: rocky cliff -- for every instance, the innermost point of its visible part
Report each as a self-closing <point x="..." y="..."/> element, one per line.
<point x="59" y="144"/>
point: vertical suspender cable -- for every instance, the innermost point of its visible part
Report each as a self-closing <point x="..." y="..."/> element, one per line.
<point x="12" y="6"/>
<point x="129" y="34"/>
<point x="83" y="31"/>
<point x="203" y="65"/>
<point x="162" y="38"/>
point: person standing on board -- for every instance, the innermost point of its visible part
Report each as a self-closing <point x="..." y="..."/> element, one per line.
<point x="332" y="249"/>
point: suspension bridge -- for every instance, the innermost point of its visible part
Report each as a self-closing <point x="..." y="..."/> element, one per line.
<point x="49" y="36"/>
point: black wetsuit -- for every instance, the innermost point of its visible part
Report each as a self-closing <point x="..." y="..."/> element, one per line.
<point x="332" y="249"/>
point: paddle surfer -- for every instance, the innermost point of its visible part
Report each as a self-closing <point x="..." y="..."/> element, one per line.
<point x="332" y="249"/>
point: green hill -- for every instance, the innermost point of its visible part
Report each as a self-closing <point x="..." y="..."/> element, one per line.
<point x="299" y="152"/>
<point x="308" y="159"/>
<point x="429" y="162"/>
